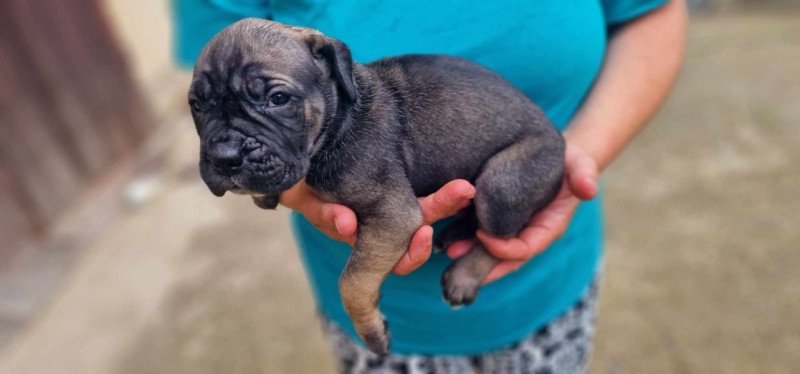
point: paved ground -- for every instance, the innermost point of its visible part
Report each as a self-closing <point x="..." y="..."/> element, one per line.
<point x="701" y="268"/>
<point x="703" y="262"/>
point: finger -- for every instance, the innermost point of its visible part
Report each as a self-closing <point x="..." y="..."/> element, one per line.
<point x="460" y="248"/>
<point x="345" y="220"/>
<point x="298" y="197"/>
<point x="339" y="220"/>
<point x="504" y="248"/>
<point x="544" y="228"/>
<point x="582" y="175"/>
<point x="447" y="201"/>
<point x="502" y="269"/>
<point x="419" y="250"/>
<point x="548" y="225"/>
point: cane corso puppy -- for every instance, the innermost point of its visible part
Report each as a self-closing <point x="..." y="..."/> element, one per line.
<point x="274" y="104"/>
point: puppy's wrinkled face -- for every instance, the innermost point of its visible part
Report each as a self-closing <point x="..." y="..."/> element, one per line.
<point x="261" y="95"/>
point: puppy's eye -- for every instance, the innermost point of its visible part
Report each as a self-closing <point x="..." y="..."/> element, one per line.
<point x="201" y="106"/>
<point x="196" y="105"/>
<point x="279" y="98"/>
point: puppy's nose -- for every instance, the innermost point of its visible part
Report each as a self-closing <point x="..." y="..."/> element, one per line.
<point x="226" y="158"/>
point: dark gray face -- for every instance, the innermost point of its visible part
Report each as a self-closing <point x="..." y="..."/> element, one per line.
<point x="261" y="97"/>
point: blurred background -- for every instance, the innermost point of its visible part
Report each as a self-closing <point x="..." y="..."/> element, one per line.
<point x="114" y="258"/>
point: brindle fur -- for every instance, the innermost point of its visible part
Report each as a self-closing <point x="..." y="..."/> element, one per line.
<point x="373" y="137"/>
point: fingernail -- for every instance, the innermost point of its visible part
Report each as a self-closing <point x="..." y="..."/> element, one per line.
<point x="337" y="224"/>
<point x="592" y="185"/>
<point x="427" y="235"/>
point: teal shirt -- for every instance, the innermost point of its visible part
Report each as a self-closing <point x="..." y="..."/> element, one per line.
<point x="551" y="49"/>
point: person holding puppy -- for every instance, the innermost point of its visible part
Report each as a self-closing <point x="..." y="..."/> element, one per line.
<point x="599" y="70"/>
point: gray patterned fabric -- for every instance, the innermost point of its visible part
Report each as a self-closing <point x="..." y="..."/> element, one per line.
<point x="563" y="346"/>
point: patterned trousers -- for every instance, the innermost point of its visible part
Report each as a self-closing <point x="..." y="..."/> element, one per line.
<point x="562" y="346"/>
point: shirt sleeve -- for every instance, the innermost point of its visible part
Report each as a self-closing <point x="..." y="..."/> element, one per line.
<point x="195" y="22"/>
<point x="621" y="11"/>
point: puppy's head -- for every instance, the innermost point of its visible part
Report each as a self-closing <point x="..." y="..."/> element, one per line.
<point x="261" y="96"/>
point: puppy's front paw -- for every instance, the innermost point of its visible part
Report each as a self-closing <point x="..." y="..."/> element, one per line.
<point x="460" y="286"/>
<point x="266" y="201"/>
<point x="375" y="335"/>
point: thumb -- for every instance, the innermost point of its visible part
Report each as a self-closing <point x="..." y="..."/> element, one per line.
<point x="447" y="201"/>
<point x="581" y="170"/>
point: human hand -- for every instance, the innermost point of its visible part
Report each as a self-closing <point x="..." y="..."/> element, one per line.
<point x="339" y="222"/>
<point x="580" y="183"/>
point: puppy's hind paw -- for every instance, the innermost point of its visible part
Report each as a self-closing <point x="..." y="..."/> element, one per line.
<point x="459" y="287"/>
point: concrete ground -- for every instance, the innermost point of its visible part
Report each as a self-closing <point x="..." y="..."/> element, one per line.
<point x="703" y="268"/>
<point x="702" y="272"/>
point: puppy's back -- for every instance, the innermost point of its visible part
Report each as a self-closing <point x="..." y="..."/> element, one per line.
<point x="457" y="113"/>
<point x="459" y="94"/>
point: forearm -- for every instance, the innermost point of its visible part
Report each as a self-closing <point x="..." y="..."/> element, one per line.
<point x="641" y="65"/>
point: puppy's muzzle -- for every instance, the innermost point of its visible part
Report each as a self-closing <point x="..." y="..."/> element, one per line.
<point x="226" y="158"/>
<point x="249" y="164"/>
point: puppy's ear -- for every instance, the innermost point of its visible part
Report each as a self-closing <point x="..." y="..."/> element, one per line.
<point x="337" y="56"/>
